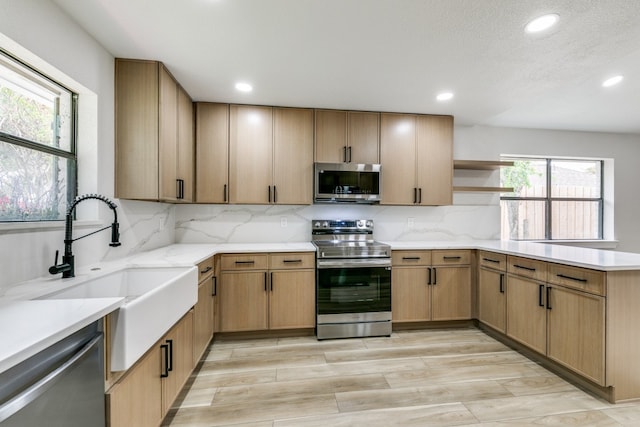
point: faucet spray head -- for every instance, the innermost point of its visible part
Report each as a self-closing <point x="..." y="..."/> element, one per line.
<point x="115" y="235"/>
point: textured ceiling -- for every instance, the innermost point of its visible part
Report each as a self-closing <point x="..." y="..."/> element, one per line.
<point x="392" y="55"/>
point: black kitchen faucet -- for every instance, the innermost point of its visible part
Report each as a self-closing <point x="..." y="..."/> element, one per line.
<point x="67" y="268"/>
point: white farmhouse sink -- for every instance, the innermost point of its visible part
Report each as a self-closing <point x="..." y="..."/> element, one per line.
<point x="155" y="299"/>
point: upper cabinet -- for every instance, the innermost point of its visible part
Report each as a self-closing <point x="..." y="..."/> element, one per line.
<point x="416" y="152"/>
<point x="270" y="155"/>
<point x="154" y="136"/>
<point x="347" y="136"/>
<point x="212" y="153"/>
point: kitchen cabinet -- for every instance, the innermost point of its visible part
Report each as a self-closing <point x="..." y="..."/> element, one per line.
<point x="212" y="152"/>
<point x="267" y="291"/>
<point x="347" y="136"/>
<point x="416" y="153"/>
<point x="143" y="396"/>
<point x="431" y="285"/>
<point x="154" y="142"/>
<point x="492" y="297"/>
<point x="203" y="316"/>
<point x="270" y="155"/>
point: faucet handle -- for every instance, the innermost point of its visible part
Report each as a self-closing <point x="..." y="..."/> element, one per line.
<point x="56" y="261"/>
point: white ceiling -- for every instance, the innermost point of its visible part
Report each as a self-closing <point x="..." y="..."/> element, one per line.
<point x="392" y="55"/>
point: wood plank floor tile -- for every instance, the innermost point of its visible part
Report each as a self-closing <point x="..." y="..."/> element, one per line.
<point x="627" y="414"/>
<point x="208" y="379"/>
<point x="582" y="419"/>
<point x="537" y="385"/>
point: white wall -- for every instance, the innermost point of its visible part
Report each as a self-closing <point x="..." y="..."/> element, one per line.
<point x="39" y="33"/>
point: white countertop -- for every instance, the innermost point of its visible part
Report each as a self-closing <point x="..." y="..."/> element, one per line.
<point x="28" y="326"/>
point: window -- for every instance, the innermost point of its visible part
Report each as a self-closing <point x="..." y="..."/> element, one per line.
<point x="37" y="144"/>
<point x="552" y="199"/>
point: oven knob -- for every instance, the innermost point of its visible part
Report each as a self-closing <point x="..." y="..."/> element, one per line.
<point x="360" y="224"/>
<point x="325" y="224"/>
<point x="369" y="224"/>
<point x="316" y="225"/>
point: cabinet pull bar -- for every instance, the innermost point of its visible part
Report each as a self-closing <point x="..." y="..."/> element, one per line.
<point x="420" y="195"/>
<point x="429" y="280"/>
<point x="177" y="188"/>
<point x="224" y="193"/>
<point x="170" y="363"/>
<point x="576" y="279"/>
<point x="451" y="257"/>
<point x="411" y="258"/>
<point x="415" y="195"/>
<point x="349" y="151"/>
<point x="245" y="262"/>
<point x="540" y="297"/>
<point x="165" y="371"/>
<point x="495" y="261"/>
<point x="501" y="283"/>
<point x="549" y="298"/>
<point x="275" y="194"/>
<point x="344" y="154"/>
<point x="265" y="281"/>
<point x="269" y="190"/>
<point x="215" y="286"/>
<point x="206" y="270"/>
<point x="524" y="268"/>
<point x="271" y="281"/>
<point x="291" y="260"/>
<point x="435" y="277"/>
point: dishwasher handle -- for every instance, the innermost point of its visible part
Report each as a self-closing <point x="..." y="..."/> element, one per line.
<point x="36" y="390"/>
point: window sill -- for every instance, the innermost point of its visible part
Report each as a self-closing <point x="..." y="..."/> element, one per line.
<point x="25" y="227"/>
<point x="594" y="244"/>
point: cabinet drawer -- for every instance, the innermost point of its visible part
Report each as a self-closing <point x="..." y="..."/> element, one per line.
<point x="451" y="257"/>
<point x="492" y="260"/>
<point x="526" y="267"/>
<point x="205" y="269"/>
<point x="245" y="262"/>
<point x="408" y="258"/>
<point x="291" y="260"/>
<point x="578" y="278"/>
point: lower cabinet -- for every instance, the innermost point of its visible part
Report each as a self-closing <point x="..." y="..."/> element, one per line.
<point x="430" y="285"/>
<point x="526" y="312"/>
<point x="143" y="396"/>
<point x="492" y="290"/>
<point x="204" y="310"/>
<point x="267" y="291"/>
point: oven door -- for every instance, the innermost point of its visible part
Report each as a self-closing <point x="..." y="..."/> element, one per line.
<point x="353" y="286"/>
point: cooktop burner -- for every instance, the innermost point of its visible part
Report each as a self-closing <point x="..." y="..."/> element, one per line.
<point x="347" y="239"/>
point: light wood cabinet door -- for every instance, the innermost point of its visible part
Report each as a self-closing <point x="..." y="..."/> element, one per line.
<point x="136" y="129"/>
<point x="331" y="136"/>
<point x="243" y="301"/>
<point x="363" y="137"/>
<point x="434" y="142"/>
<point x="451" y="293"/>
<point x="185" y="147"/>
<point x="292" y="299"/>
<point x="180" y="341"/>
<point x="526" y="313"/>
<point x="576" y="337"/>
<point x="492" y="299"/>
<point x="168" y="136"/>
<point x="142" y="385"/>
<point x="203" y="318"/>
<point x="212" y="152"/>
<point x="410" y="294"/>
<point x="398" y="158"/>
<point x="250" y="154"/>
<point x="293" y="156"/>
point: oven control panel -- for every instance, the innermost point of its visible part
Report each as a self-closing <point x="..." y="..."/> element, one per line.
<point x="342" y="225"/>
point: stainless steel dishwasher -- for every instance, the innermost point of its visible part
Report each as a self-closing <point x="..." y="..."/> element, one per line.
<point x="62" y="385"/>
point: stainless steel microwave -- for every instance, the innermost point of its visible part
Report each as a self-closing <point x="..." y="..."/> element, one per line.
<point x="347" y="183"/>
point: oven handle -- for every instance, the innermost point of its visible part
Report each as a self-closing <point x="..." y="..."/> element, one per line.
<point x="353" y="263"/>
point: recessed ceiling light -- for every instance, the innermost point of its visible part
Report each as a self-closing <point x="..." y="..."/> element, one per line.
<point x="444" y="96"/>
<point x="542" y="23"/>
<point x="244" y="87"/>
<point x="612" y="81"/>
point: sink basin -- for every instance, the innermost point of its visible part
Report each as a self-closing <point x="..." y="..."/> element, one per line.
<point x="155" y="299"/>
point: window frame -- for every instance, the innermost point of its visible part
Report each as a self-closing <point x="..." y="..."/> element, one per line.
<point x="71" y="155"/>
<point x="548" y="200"/>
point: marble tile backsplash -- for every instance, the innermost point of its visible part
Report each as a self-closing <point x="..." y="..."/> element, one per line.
<point x="269" y="223"/>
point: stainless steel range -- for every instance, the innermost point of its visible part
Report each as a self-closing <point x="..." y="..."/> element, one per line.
<point x="353" y="280"/>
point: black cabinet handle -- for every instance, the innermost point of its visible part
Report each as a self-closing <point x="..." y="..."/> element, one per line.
<point x="292" y="261"/>
<point x="419" y="195"/>
<point x="576" y="279"/>
<point x="451" y="257"/>
<point x="435" y="277"/>
<point x="275" y="194"/>
<point x="429" y="279"/>
<point x="269" y="190"/>
<point x="271" y="281"/>
<point x="495" y="261"/>
<point x="245" y="262"/>
<point x="415" y="195"/>
<point x="170" y="361"/>
<point x="179" y="188"/>
<point x="549" y="298"/>
<point x="501" y="283"/>
<point x="165" y="350"/>
<point x="540" y="297"/>
<point x="215" y="286"/>
<point x="224" y="193"/>
<point x="349" y="151"/>
<point x="344" y="154"/>
<point x="206" y="270"/>
<point x="524" y="268"/>
<point x="411" y="258"/>
<point x="265" y="281"/>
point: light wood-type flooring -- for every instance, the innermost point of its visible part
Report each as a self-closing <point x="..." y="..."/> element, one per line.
<point x="458" y="377"/>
